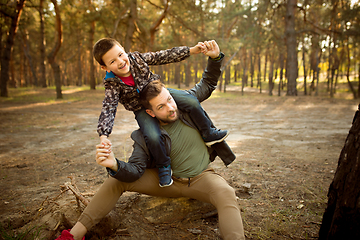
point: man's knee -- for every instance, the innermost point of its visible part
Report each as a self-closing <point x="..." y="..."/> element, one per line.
<point x="226" y="194"/>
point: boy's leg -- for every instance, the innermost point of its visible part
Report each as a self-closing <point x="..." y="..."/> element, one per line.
<point x="155" y="142"/>
<point x="189" y="103"/>
<point x="211" y="187"/>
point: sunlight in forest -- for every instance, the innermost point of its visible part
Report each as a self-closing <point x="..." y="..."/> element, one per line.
<point x="32" y="105"/>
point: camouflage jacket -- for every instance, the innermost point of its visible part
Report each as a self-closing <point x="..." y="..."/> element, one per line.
<point x="116" y="91"/>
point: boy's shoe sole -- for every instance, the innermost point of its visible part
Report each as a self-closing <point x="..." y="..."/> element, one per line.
<point x="217" y="140"/>
<point x="166" y="185"/>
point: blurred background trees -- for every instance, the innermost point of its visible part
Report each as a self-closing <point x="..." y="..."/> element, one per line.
<point x="287" y="47"/>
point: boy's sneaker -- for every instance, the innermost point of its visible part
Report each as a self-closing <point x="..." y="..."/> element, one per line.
<point x="66" y="235"/>
<point x="215" y="136"/>
<point x="165" y="176"/>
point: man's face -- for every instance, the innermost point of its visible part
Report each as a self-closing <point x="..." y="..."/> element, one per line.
<point x="117" y="61"/>
<point x="164" y="108"/>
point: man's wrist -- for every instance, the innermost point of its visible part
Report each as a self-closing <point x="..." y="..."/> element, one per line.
<point x="115" y="166"/>
<point x="218" y="57"/>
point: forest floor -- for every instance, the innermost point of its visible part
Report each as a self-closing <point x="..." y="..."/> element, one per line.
<point x="287" y="151"/>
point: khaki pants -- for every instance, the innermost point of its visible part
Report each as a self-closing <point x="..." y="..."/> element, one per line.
<point x="207" y="187"/>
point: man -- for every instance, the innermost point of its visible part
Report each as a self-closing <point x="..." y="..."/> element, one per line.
<point x="190" y="159"/>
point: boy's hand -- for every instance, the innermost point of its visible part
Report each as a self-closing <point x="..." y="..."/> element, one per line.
<point x="105" y="157"/>
<point x="212" y="49"/>
<point x="104" y="140"/>
<point x="198" y="48"/>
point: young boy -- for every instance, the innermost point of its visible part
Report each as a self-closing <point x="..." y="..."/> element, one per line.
<point x="126" y="76"/>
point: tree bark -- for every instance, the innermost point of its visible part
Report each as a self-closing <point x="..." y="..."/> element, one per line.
<point x="90" y="46"/>
<point x="259" y="71"/>
<point x="42" y="80"/>
<point x="271" y="74"/>
<point x="265" y="65"/>
<point x="341" y="217"/>
<point x="130" y="25"/>
<point x="304" y="67"/>
<point x="281" y="81"/>
<point x="177" y="72"/>
<point x="348" y="70"/>
<point x="187" y="74"/>
<point x="7" y="51"/>
<point x="252" y="58"/>
<point x="227" y="77"/>
<point x="51" y="57"/>
<point x="27" y="54"/>
<point x="292" y="65"/>
<point x="359" y="81"/>
<point x="157" y="23"/>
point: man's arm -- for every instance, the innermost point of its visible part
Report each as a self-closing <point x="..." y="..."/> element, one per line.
<point x="133" y="169"/>
<point x="204" y="88"/>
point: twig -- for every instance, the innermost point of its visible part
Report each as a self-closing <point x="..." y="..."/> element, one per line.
<point x="210" y="214"/>
<point x="77" y="194"/>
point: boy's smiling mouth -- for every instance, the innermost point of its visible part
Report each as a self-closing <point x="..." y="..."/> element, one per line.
<point x="123" y="66"/>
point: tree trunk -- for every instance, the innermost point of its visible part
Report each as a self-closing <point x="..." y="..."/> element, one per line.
<point x="334" y="65"/>
<point x="251" y="69"/>
<point x="28" y="56"/>
<point x="292" y="67"/>
<point x="271" y="74"/>
<point x="7" y="51"/>
<point x="259" y="72"/>
<point x="90" y="46"/>
<point x="177" y="74"/>
<point x="157" y="23"/>
<point x="196" y="69"/>
<point x="42" y="80"/>
<point x="187" y="74"/>
<point x="235" y="73"/>
<point x="265" y="66"/>
<point x="227" y="76"/>
<point x="317" y="71"/>
<point x="304" y="66"/>
<point x="348" y="70"/>
<point x="359" y="81"/>
<point x="245" y="67"/>
<point x="51" y="57"/>
<point x="131" y="25"/>
<point x="341" y="217"/>
<point x="281" y="60"/>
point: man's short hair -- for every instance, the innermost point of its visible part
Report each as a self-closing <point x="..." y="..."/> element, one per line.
<point x="102" y="46"/>
<point x="152" y="90"/>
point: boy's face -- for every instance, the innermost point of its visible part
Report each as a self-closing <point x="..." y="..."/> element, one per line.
<point x="117" y="61"/>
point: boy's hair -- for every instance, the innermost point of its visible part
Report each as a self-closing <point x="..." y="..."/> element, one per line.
<point x="152" y="90"/>
<point x="102" y="46"/>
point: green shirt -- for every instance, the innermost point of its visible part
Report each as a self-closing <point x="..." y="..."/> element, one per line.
<point x="189" y="154"/>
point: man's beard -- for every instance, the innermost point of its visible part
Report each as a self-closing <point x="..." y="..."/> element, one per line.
<point x="168" y="120"/>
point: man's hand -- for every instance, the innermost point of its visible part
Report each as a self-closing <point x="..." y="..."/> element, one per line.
<point x="105" y="157"/>
<point x="212" y="49"/>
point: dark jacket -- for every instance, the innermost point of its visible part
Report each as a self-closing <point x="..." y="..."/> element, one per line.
<point x="141" y="159"/>
<point x="116" y="91"/>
